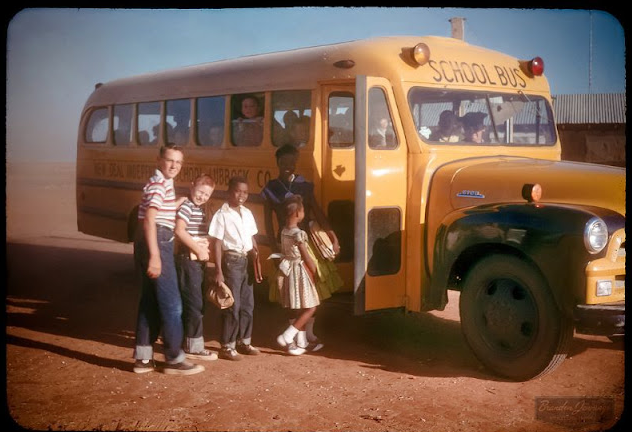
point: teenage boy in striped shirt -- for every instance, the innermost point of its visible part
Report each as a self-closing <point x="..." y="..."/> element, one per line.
<point x="160" y="304"/>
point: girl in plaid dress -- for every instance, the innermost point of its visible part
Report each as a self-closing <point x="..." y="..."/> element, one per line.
<point x="296" y="278"/>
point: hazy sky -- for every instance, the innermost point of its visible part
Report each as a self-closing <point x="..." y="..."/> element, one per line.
<point x="55" y="56"/>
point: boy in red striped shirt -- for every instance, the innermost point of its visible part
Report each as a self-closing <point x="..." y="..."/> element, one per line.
<point x="160" y="304"/>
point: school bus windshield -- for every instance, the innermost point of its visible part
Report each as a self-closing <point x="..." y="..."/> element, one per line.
<point x="481" y="118"/>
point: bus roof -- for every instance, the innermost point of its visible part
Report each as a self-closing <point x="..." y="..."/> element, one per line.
<point x="453" y="63"/>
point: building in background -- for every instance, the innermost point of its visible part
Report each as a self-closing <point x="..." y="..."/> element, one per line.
<point x="592" y="127"/>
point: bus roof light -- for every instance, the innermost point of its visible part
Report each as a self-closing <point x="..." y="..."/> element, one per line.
<point x="536" y="66"/>
<point x="344" y="64"/>
<point x="421" y="54"/>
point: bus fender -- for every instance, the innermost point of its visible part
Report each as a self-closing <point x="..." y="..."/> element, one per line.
<point x="548" y="236"/>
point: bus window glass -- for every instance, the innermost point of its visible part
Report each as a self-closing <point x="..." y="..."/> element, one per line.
<point x="178" y="118"/>
<point x="291" y="113"/>
<point x="210" y="121"/>
<point x="341" y="119"/>
<point x="481" y="118"/>
<point x="122" y="124"/>
<point x="97" y="128"/>
<point x="148" y="123"/>
<point x="247" y="119"/>
<point x="381" y="134"/>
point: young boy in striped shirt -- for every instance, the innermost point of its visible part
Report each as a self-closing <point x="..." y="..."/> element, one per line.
<point x="193" y="253"/>
<point x="160" y="306"/>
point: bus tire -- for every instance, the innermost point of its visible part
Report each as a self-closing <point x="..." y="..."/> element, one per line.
<point x="510" y="319"/>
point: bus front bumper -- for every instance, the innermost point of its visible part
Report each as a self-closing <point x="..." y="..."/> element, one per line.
<point x="601" y="319"/>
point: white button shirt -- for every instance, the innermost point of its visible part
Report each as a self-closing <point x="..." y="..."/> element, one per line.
<point x="235" y="229"/>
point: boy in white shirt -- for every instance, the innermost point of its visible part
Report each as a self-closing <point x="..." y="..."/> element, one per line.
<point x="233" y="228"/>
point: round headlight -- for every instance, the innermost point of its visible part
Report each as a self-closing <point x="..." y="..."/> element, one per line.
<point x="595" y="235"/>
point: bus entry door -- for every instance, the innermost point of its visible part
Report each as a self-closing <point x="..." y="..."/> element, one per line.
<point x="380" y="198"/>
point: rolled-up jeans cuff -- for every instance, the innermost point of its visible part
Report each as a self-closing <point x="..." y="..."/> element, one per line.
<point x="194" y="345"/>
<point x="144" y="352"/>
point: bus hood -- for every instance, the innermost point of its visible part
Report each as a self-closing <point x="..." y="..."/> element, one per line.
<point x="477" y="181"/>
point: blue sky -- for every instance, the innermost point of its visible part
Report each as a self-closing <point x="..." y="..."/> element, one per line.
<point x="55" y="56"/>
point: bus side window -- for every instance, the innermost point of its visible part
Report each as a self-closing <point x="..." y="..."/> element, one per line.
<point x="148" y="123"/>
<point x="178" y="120"/>
<point x="210" y="126"/>
<point x="247" y="119"/>
<point x="341" y="129"/>
<point x="381" y="133"/>
<point x="97" y="127"/>
<point x="123" y="124"/>
<point x="291" y="112"/>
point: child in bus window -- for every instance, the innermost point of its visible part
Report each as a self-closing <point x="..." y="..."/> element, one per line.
<point x="248" y="126"/>
<point x="473" y="126"/>
<point x="449" y="129"/>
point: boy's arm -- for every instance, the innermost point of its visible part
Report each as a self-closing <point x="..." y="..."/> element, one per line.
<point x="256" y="261"/>
<point x="154" y="267"/>
<point x="186" y="238"/>
<point x="217" y="249"/>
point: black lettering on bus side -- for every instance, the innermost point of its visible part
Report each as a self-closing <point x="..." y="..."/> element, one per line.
<point x="263" y="177"/>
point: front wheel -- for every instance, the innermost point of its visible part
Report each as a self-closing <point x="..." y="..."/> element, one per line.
<point x="510" y="320"/>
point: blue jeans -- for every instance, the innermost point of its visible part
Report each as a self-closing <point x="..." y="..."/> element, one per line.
<point x="190" y="279"/>
<point x="237" y="320"/>
<point x="160" y="303"/>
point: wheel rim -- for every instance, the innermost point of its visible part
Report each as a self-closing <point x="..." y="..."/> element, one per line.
<point x="507" y="316"/>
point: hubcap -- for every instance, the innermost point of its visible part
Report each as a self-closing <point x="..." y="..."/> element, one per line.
<point x="508" y="316"/>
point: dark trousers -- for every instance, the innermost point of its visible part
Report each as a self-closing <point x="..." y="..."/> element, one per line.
<point x="190" y="279"/>
<point x="237" y="320"/>
<point x="160" y="306"/>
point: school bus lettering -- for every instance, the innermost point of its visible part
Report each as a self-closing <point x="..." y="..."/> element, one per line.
<point x="475" y="73"/>
<point x="263" y="177"/>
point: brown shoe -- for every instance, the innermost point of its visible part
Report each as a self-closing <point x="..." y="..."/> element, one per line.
<point x="247" y="349"/>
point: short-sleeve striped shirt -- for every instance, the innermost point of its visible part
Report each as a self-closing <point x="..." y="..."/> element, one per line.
<point x="194" y="217"/>
<point x="159" y="194"/>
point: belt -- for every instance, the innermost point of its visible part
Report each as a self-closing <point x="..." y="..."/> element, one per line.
<point x="235" y="253"/>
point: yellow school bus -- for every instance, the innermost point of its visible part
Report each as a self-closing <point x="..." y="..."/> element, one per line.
<point x="436" y="161"/>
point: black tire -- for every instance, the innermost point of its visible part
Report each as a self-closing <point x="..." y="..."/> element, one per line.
<point x="510" y="320"/>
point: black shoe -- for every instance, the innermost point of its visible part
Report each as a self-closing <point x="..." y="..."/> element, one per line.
<point x="247" y="349"/>
<point x="183" y="368"/>
<point x="229" y="354"/>
<point x="144" y="366"/>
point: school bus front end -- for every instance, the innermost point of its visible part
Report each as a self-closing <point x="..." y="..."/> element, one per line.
<point x="537" y="249"/>
<point x="536" y="246"/>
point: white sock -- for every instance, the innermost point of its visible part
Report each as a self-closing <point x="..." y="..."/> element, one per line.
<point x="289" y="334"/>
<point x="309" y="328"/>
<point x="301" y="339"/>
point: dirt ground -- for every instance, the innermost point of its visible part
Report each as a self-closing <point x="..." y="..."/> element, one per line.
<point x="70" y="319"/>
